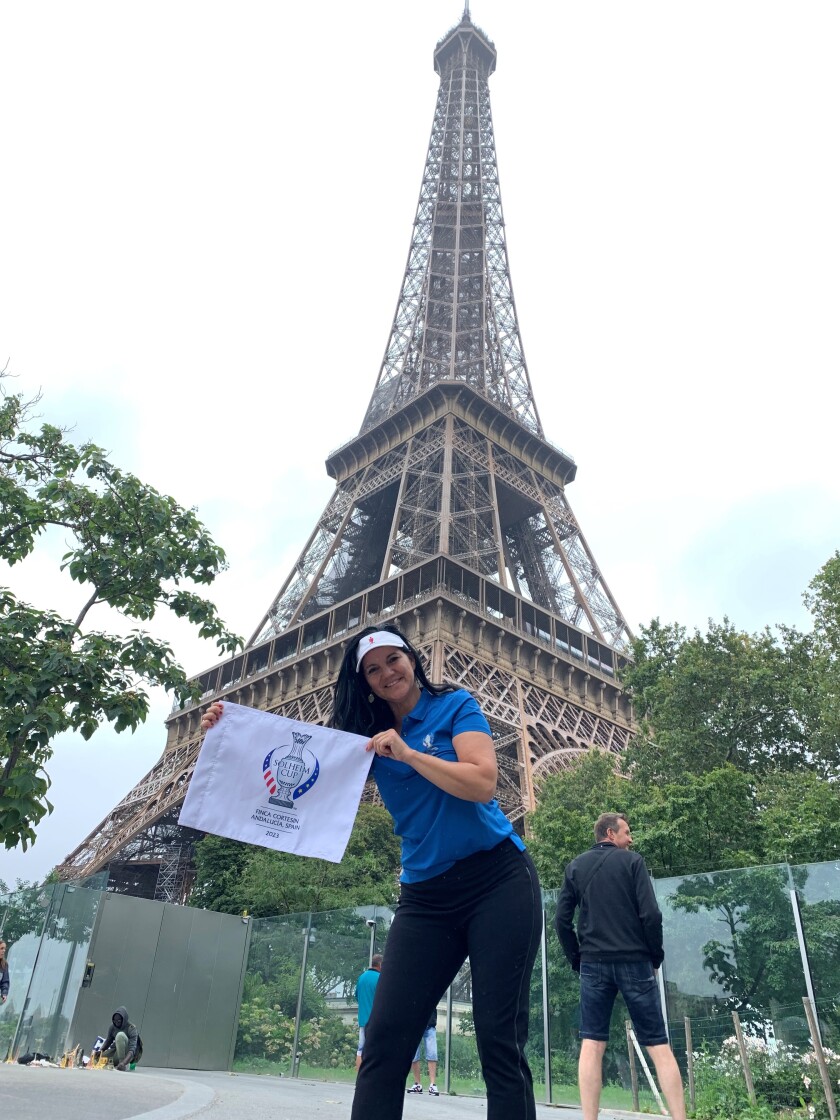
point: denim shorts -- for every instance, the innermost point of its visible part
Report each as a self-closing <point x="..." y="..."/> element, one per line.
<point x="600" y="983"/>
<point x="429" y="1043"/>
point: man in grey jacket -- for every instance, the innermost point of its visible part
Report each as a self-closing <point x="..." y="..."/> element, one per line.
<point x="617" y="948"/>
<point x="122" y="1043"/>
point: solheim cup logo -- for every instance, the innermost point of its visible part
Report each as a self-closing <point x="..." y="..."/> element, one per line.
<point x="290" y="776"/>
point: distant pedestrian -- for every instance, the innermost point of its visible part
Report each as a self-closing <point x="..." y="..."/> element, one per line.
<point x="617" y="948"/>
<point x="428" y="1043"/>
<point x="365" y="990"/>
<point x="4" y="973"/>
<point x="122" y="1044"/>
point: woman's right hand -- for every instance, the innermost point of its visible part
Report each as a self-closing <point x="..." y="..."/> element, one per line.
<point x="212" y="716"/>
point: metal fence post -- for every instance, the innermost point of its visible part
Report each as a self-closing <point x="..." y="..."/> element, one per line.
<point x="545" y="1011"/>
<point x="689" y="1061"/>
<point x="803" y="952"/>
<point x="447" y="1074"/>
<point x="295" y="1056"/>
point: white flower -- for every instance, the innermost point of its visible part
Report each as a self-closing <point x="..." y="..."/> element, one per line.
<point x="807" y="1081"/>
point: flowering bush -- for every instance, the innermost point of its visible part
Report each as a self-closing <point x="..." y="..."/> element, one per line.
<point x="816" y="1106"/>
<point x="265" y="1032"/>
<point x="787" y="1083"/>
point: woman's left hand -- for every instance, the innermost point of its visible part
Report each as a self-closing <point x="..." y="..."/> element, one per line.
<point x="212" y="716"/>
<point x="388" y="744"/>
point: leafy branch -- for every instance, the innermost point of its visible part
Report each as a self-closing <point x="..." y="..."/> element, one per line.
<point x="133" y="549"/>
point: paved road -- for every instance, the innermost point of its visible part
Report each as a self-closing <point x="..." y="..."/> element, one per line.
<point x="38" y="1093"/>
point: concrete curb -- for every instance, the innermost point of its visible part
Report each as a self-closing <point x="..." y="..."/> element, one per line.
<point x="194" y="1098"/>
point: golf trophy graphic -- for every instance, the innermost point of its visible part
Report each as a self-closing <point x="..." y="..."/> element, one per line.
<point x="289" y="771"/>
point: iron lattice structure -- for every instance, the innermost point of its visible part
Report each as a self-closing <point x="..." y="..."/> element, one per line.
<point x="449" y="517"/>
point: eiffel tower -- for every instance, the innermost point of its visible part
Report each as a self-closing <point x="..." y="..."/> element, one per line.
<point x="449" y="518"/>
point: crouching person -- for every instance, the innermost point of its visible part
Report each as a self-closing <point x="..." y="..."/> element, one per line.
<point x="122" y="1043"/>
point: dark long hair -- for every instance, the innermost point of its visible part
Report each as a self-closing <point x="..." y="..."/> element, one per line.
<point x="352" y="711"/>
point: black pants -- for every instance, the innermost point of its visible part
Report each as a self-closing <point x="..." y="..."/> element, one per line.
<point x="487" y="907"/>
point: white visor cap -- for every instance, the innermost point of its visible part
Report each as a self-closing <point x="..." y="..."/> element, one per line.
<point x="374" y="641"/>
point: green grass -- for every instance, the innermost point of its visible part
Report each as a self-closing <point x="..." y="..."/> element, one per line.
<point x="613" y="1096"/>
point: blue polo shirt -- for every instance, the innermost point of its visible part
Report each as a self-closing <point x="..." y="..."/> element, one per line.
<point x="365" y="991"/>
<point x="437" y="828"/>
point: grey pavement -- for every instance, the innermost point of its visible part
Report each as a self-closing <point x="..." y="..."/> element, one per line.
<point x="48" y="1093"/>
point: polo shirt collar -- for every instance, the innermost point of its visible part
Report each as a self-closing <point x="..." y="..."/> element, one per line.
<point x="419" y="710"/>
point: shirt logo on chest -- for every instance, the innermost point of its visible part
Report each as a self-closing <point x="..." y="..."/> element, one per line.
<point x="429" y="743"/>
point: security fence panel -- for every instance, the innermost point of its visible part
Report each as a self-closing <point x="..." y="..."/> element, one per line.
<point x="193" y="998"/>
<point x="299" y="1012"/>
<point x="731" y="945"/>
<point x="270" y="995"/>
<point x="121" y="963"/>
<point x="225" y="994"/>
<point x="58" y="964"/>
<point x="177" y="970"/>
<point x="818" y="890"/>
<point x="23" y="916"/>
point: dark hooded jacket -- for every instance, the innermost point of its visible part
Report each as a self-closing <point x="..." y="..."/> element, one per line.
<point x="619" y="917"/>
<point x="135" y="1046"/>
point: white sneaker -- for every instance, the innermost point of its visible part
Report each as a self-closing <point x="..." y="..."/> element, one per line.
<point x="433" y="1091"/>
<point x="415" y="1088"/>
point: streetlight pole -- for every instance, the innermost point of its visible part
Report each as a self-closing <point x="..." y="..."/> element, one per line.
<point x="307" y="933"/>
<point x="372" y="923"/>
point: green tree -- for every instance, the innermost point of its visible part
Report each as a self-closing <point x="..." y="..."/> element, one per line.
<point x="799" y="815"/>
<point x="724" y="697"/>
<point x="700" y="823"/>
<point x="823" y="600"/>
<point x="23" y="909"/>
<point x="233" y="877"/>
<point x="132" y="549"/>
<point x="569" y="804"/>
<point x="219" y="864"/>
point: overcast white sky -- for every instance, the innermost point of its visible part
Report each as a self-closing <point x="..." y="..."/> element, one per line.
<point x="206" y="210"/>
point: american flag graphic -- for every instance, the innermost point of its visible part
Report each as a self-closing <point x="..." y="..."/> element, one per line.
<point x="268" y="777"/>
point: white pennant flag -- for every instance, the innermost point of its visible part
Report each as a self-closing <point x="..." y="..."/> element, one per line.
<point x="273" y="781"/>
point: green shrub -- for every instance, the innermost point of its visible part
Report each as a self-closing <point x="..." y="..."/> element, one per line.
<point x="787" y="1083"/>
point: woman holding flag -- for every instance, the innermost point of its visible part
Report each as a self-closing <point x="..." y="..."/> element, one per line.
<point x="468" y="887"/>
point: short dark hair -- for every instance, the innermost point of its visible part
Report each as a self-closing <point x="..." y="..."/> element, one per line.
<point x="352" y="711"/>
<point x="605" y="822"/>
<point x="376" y="960"/>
